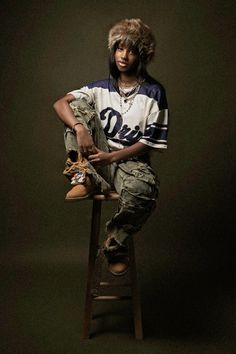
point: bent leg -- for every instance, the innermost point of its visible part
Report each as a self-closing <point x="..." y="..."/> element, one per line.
<point x="77" y="166"/>
<point x="137" y="186"/>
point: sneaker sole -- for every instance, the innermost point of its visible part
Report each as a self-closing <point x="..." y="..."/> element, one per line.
<point x="78" y="198"/>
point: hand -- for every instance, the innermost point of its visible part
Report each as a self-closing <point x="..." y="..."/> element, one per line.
<point x="85" y="141"/>
<point x="100" y="158"/>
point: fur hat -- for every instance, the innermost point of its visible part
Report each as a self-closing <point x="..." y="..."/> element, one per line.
<point x="135" y="33"/>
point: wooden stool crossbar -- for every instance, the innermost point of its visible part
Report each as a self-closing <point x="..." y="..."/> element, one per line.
<point x="93" y="252"/>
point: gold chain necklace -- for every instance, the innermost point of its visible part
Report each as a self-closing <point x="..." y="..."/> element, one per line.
<point x="128" y="96"/>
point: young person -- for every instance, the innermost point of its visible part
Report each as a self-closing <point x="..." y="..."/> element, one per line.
<point x="111" y="126"/>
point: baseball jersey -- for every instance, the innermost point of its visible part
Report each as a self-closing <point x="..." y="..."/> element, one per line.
<point x="141" y="117"/>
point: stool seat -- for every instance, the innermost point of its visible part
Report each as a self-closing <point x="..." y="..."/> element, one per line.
<point x="94" y="248"/>
<point x="110" y="196"/>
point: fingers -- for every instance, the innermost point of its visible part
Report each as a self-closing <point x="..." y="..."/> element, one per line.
<point x="87" y="150"/>
<point x="94" y="149"/>
<point x="94" y="157"/>
<point x="95" y="160"/>
<point x="85" y="143"/>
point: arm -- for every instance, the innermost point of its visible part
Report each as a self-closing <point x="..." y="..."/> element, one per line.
<point x="84" y="139"/>
<point x="106" y="158"/>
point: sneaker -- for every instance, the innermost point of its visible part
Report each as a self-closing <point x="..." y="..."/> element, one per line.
<point x="81" y="191"/>
<point x="117" y="257"/>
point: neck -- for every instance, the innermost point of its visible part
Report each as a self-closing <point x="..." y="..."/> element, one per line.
<point x="128" y="79"/>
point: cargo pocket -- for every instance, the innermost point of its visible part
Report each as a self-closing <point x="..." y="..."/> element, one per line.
<point x="141" y="171"/>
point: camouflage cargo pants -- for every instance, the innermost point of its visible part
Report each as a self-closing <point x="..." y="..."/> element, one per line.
<point x="134" y="180"/>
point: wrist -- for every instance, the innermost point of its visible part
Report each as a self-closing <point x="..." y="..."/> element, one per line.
<point x="113" y="156"/>
<point x="77" y="127"/>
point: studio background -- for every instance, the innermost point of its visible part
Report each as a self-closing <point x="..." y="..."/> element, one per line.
<point x="185" y="252"/>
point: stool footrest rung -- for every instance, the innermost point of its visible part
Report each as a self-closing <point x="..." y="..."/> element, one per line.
<point x="112" y="297"/>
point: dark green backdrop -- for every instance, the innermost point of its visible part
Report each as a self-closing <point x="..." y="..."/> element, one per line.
<point x="185" y="251"/>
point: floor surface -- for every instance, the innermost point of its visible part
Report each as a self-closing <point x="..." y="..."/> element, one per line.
<point x="42" y="311"/>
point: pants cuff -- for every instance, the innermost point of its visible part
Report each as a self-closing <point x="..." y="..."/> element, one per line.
<point x="119" y="235"/>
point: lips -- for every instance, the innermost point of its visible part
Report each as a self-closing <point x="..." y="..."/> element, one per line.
<point x="123" y="63"/>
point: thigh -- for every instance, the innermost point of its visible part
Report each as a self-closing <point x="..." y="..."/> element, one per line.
<point x="136" y="180"/>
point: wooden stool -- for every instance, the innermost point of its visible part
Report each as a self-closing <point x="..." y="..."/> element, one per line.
<point x="93" y="251"/>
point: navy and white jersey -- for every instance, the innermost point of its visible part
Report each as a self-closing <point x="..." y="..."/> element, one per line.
<point x="124" y="124"/>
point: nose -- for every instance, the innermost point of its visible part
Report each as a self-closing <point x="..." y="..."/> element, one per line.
<point x="124" y="54"/>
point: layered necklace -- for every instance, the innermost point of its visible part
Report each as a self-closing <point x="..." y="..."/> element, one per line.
<point x="127" y="94"/>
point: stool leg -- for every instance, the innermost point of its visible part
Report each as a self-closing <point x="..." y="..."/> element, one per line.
<point x="93" y="247"/>
<point x="137" y="314"/>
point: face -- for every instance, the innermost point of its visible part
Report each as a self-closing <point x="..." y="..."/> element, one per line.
<point x="125" y="58"/>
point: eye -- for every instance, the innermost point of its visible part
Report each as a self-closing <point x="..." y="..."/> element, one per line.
<point x="133" y="51"/>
